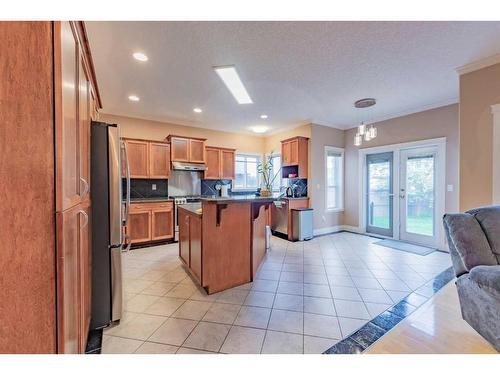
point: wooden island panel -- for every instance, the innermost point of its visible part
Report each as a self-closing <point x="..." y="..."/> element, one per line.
<point x="226" y="230"/>
<point x="260" y="215"/>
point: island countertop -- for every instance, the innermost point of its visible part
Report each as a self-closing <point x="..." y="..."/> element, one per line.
<point x="194" y="208"/>
<point x="242" y="198"/>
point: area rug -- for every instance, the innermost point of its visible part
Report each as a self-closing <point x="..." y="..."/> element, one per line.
<point x="405" y="246"/>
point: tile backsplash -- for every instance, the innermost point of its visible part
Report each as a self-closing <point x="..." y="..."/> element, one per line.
<point x="301" y="184"/>
<point x="143" y="188"/>
<point x="208" y="186"/>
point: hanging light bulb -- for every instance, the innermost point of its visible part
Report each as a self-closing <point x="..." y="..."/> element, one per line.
<point x="367" y="136"/>
<point x="362" y="129"/>
<point x="373" y="132"/>
<point x="357" y="139"/>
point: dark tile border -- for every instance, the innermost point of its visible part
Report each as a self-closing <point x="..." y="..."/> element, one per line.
<point x="376" y="328"/>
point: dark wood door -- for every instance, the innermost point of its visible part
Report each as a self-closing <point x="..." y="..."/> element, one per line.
<point x="162" y="224"/>
<point x="139" y="226"/>
<point x="196" y="151"/>
<point x="138" y="158"/>
<point x="183" y="220"/>
<point x="67" y="125"/>
<point x="213" y="156"/>
<point x="195" y="246"/>
<point x="159" y="160"/>
<point x="227" y="164"/>
<point x="179" y="149"/>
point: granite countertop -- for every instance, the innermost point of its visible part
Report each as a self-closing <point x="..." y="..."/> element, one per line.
<point x="194" y="208"/>
<point x="242" y="198"/>
<point x="150" y="200"/>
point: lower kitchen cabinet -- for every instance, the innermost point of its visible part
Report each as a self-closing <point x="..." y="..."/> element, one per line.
<point x="150" y="222"/>
<point x="73" y="283"/>
<point x="190" y="244"/>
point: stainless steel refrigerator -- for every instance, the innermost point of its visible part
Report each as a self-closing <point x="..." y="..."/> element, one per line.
<point x="108" y="219"/>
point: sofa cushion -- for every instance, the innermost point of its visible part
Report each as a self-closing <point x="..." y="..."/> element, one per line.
<point x="487" y="277"/>
<point x="469" y="240"/>
<point x="489" y="219"/>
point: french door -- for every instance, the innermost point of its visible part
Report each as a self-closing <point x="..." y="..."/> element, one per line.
<point x="404" y="194"/>
<point x="379" y="193"/>
<point x="417" y="196"/>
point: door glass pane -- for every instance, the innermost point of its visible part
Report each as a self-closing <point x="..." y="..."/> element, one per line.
<point x="379" y="190"/>
<point x="420" y="195"/>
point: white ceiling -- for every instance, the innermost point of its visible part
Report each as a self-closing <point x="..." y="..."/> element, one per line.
<point x="295" y="72"/>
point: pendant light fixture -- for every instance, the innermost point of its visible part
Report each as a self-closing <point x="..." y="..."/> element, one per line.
<point x="364" y="131"/>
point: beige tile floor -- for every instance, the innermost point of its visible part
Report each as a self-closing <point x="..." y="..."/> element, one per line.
<point x="305" y="298"/>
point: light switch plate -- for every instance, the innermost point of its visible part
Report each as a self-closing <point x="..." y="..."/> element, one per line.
<point x="449" y="188"/>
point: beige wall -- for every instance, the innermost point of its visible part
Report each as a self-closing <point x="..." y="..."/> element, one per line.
<point x="434" y="123"/>
<point x="479" y="90"/>
<point x="322" y="136"/>
<point x="154" y="130"/>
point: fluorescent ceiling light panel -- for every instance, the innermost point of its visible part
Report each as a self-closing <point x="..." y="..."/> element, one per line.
<point x="232" y="80"/>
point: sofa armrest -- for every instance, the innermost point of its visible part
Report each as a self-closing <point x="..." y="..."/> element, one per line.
<point x="487" y="277"/>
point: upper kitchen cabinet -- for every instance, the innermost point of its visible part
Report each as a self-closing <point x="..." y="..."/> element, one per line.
<point x="220" y="163"/>
<point x="138" y="158"/>
<point x="294" y="157"/>
<point x="159" y="160"/>
<point x="188" y="150"/>
<point x="147" y="159"/>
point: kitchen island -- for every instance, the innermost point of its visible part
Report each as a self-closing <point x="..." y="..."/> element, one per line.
<point x="222" y="241"/>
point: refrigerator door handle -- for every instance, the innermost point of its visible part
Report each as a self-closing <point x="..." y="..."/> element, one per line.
<point x="127" y="177"/>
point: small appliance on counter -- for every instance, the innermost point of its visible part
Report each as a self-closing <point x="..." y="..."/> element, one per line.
<point x="223" y="189"/>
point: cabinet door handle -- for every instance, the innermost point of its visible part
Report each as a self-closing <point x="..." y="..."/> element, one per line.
<point x="86" y="217"/>
<point x="85" y="187"/>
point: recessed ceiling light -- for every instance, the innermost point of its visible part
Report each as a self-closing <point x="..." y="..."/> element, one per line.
<point x="232" y="80"/>
<point x="140" y="56"/>
<point x="133" y="98"/>
<point x="197" y="110"/>
<point x="263" y="116"/>
<point x="259" y="129"/>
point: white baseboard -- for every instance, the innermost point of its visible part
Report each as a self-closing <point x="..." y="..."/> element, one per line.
<point x="336" y="228"/>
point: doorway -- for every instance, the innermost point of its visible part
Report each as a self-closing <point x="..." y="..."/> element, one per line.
<point x="403" y="191"/>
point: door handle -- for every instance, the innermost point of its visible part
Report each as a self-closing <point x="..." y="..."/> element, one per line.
<point x="85" y="216"/>
<point x="402" y="196"/>
<point x="85" y="187"/>
<point x="126" y="240"/>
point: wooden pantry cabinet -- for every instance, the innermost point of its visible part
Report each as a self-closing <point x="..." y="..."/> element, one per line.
<point x="48" y="72"/>
<point x="187" y="149"/>
<point x="220" y="163"/>
<point x="149" y="222"/>
<point x="147" y="159"/>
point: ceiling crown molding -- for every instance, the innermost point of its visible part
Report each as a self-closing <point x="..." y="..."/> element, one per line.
<point x="479" y="64"/>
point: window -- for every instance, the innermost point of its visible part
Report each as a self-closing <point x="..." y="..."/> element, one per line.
<point x="276" y="160"/>
<point x="247" y="177"/>
<point x="334" y="165"/>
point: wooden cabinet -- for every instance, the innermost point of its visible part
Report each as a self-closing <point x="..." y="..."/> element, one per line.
<point x="147" y="159"/>
<point x="294" y="157"/>
<point x="73" y="267"/>
<point x="220" y="163"/>
<point x="190" y="243"/>
<point x="196" y="151"/>
<point x="183" y="221"/>
<point x="159" y="160"/>
<point x="185" y="149"/>
<point x="195" y="245"/>
<point x="151" y="222"/>
<point x="138" y="158"/>
<point x="162" y="222"/>
<point x="48" y="72"/>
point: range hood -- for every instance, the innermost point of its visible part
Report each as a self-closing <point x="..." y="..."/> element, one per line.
<point x="188" y="166"/>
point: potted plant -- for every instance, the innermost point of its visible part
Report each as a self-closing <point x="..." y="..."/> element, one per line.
<point x="266" y="170"/>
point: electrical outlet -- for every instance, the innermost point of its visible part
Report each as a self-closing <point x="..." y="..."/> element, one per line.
<point x="153" y="186"/>
<point x="449" y="188"/>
